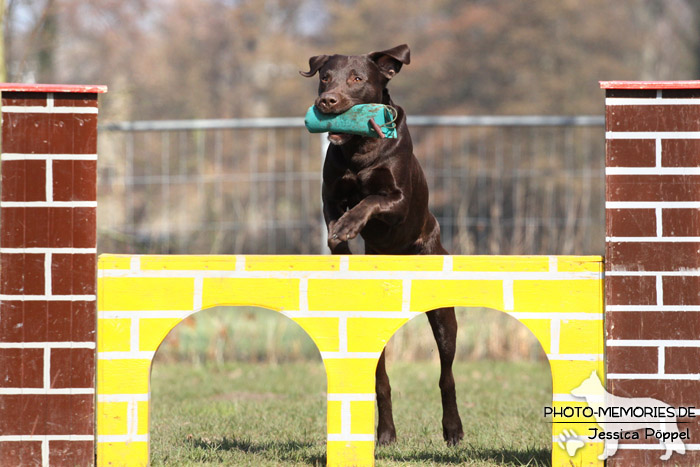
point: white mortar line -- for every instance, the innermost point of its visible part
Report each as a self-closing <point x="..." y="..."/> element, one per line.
<point x="508" y="296"/>
<point x="16" y="156"/>
<point x="49" y="180"/>
<point x="659" y="290"/>
<point x="47" y="367"/>
<point x="659" y="222"/>
<point x="48" y="260"/>
<point x="658" y="155"/>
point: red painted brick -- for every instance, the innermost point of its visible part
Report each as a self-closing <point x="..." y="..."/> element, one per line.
<point x="632" y="359"/>
<point x="71" y="453"/>
<point x="666" y="325"/>
<point x="630" y="153"/>
<point x="70" y="99"/>
<point x="73" y="274"/>
<point x="22" y="368"/>
<point x="20" y="453"/>
<point x="24" y="180"/>
<point x="680" y="153"/>
<point x="72" y="321"/>
<point x="673" y="392"/>
<point x="650" y="458"/>
<point x="653" y="187"/>
<point x="630" y="222"/>
<point x="652" y="118"/>
<point x="48" y="227"/>
<point x="72" y="368"/>
<point x="55" y="414"/>
<point x="22" y="274"/>
<point x="681" y="222"/>
<point x="630" y="290"/>
<point x="681" y="290"/>
<point x="24" y="98"/>
<point x="75" y="180"/>
<point x="682" y="360"/>
<point x="659" y="256"/>
<point x="43" y="321"/>
<point x="49" y="133"/>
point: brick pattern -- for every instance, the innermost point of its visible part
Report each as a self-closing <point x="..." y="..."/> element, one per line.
<point x="653" y="256"/>
<point x="47" y="278"/>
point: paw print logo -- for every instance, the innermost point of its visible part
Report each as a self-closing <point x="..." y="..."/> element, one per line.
<point x="570" y="442"/>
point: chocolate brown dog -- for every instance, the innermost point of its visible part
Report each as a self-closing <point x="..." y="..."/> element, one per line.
<point x="375" y="188"/>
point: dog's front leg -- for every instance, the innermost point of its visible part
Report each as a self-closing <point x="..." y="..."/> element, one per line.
<point x="389" y="208"/>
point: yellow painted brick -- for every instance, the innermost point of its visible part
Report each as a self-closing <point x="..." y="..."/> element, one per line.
<point x="277" y="294"/>
<point x="324" y="332"/>
<point x="113" y="335"/>
<point x="581" y="336"/>
<point x="126" y="454"/>
<point x="334" y="417"/>
<point x="586" y="456"/>
<point x="558" y="296"/>
<point x="500" y="263"/>
<point x="188" y="263"/>
<point x="541" y="328"/>
<point x="568" y="375"/>
<point x="362" y="417"/>
<point x="112" y="418"/>
<point x="152" y="331"/>
<point x="395" y="263"/>
<point x="350" y="453"/>
<point x="145" y="293"/>
<point x="350" y="375"/>
<point x="371" y="334"/>
<point x="354" y="295"/>
<point x="143" y="411"/>
<point x="580" y="264"/>
<point x="124" y="376"/>
<point x="292" y="263"/>
<point x="427" y="295"/>
<point x="114" y="262"/>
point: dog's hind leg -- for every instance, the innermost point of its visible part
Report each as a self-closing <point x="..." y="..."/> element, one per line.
<point x="386" y="432"/>
<point x="444" y="325"/>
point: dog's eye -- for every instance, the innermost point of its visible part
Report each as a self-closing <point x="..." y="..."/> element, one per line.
<point x="357" y="78"/>
<point x="325" y="79"/>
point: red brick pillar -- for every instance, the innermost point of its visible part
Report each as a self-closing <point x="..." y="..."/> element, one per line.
<point x="653" y="253"/>
<point x="47" y="274"/>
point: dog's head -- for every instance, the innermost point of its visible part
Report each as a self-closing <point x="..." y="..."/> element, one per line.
<point x="349" y="80"/>
<point x="590" y="386"/>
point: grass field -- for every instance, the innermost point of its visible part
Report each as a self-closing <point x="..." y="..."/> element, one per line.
<point x="266" y="414"/>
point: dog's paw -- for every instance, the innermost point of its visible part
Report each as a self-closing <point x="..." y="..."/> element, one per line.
<point x="344" y="229"/>
<point x="570" y="442"/>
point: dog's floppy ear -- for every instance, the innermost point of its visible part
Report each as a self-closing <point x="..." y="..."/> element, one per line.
<point x="315" y="63"/>
<point x="390" y="61"/>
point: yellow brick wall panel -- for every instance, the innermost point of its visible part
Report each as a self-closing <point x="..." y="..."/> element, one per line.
<point x="568" y="375"/>
<point x="362" y="418"/>
<point x="324" y="332"/>
<point x="144" y="415"/>
<point x="580" y="264"/>
<point x="395" y="263"/>
<point x="581" y="336"/>
<point x="112" y="418"/>
<point x="557" y="296"/>
<point x="152" y="331"/>
<point x="126" y="454"/>
<point x="114" y="262"/>
<point x="354" y="295"/>
<point x="371" y="334"/>
<point x="350" y="453"/>
<point x="350" y="375"/>
<point x="145" y="293"/>
<point x="500" y="263"/>
<point x="123" y="376"/>
<point x="114" y="335"/>
<point x="277" y="294"/>
<point x="430" y="294"/>
<point x="587" y="456"/>
<point x="334" y="417"/>
<point x="188" y="263"/>
<point x="292" y="263"/>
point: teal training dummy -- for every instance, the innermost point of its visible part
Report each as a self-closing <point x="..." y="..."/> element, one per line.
<point x="373" y="120"/>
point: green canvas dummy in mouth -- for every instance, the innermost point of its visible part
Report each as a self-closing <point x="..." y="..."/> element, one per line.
<point x="373" y="120"/>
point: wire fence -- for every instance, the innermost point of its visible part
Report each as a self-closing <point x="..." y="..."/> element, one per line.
<point x="498" y="185"/>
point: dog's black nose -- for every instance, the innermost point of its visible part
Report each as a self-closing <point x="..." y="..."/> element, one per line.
<point x="327" y="101"/>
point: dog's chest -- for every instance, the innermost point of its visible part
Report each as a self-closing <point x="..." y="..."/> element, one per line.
<point x="353" y="186"/>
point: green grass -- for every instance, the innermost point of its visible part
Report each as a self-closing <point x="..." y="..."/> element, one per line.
<point x="262" y="414"/>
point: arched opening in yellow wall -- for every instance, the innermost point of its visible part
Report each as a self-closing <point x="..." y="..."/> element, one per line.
<point x="503" y="382"/>
<point x="238" y="385"/>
